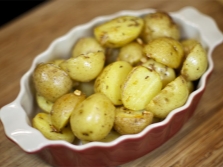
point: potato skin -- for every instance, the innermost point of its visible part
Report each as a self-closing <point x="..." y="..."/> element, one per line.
<point x="63" y="108"/>
<point x="86" y="45"/>
<point x="84" y="68"/>
<point x="118" y="31"/>
<point x="174" y="95"/>
<point x="159" y="24"/>
<point x="110" y="81"/>
<point x="51" y="82"/>
<point x="43" y="123"/>
<point x="131" y="122"/>
<point x="195" y="63"/>
<point x="139" y="87"/>
<point x="167" y="51"/>
<point x="93" y="119"/>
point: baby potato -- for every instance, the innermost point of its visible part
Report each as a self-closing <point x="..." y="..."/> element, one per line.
<point x="195" y="63"/>
<point x="42" y="122"/>
<point x="131" y="122"/>
<point x="43" y="103"/>
<point x="63" y="107"/>
<point x="84" y="68"/>
<point x="174" y="95"/>
<point x="110" y="81"/>
<point x="159" y="24"/>
<point x="167" y="51"/>
<point x="51" y="82"/>
<point x="86" y="45"/>
<point x="188" y="45"/>
<point x="166" y="73"/>
<point x="118" y="31"/>
<point x="140" y="86"/>
<point x="132" y="53"/>
<point x="93" y="118"/>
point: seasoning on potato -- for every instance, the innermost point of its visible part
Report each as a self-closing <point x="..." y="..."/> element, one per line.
<point x="130" y="121"/>
<point x="174" y="95"/>
<point x="93" y="118"/>
<point x="159" y="24"/>
<point x="118" y="31"/>
<point x="51" y="82"/>
<point x="110" y="81"/>
<point x="167" y="51"/>
<point x="63" y="108"/>
<point x="139" y="87"/>
<point x="43" y="123"/>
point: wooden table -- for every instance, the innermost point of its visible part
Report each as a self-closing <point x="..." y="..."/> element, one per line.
<point x="199" y="143"/>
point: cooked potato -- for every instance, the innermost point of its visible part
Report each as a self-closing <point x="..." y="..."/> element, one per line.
<point x="110" y="81"/>
<point x="43" y="103"/>
<point x="86" y="45"/>
<point x="140" y="86"/>
<point x="166" y="73"/>
<point x="93" y="118"/>
<point x="174" y="95"/>
<point x="118" y="31"/>
<point x="51" y="82"/>
<point x="159" y="24"/>
<point x="195" y="63"/>
<point x="42" y="122"/>
<point x="131" y="122"/>
<point x="86" y="87"/>
<point x="131" y="53"/>
<point x="84" y="68"/>
<point x="63" y="107"/>
<point x="166" y="51"/>
<point x="188" y="45"/>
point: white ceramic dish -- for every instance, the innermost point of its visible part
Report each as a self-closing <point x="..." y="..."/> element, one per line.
<point x="16" y="116"/>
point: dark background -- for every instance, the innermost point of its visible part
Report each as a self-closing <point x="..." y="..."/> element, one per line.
<point x="10" y="9"/>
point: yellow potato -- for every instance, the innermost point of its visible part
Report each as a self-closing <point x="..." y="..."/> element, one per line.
<point x="86" y="87"/>
<point x="86" y="45"/>
<point x="42" y="122"/>
<point x="93" y="118"/>
<point x="195" y="64"/>
<point x="174" y="95"/>
<point x="166" y="51"/>
<point x="110" y="137"/>
<point x="63" y="107"/>
<point x="159" y="24"/>
<point x="51" y="82"/>
<point x="43" y="103"/>
<point x="119" y="31"/>
<point x="166" y="73"/>
<point x="140" y="86"/>
<point x="131" y="122"/>
<point x="188" y="45"/>
<point x="110" y="81"/>
<point x="132" y="53"/>
<point x="84" y="68"/>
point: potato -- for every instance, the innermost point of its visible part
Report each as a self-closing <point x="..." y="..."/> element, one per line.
<point x="110" y="81"/>
<point x="188" y="45"/>
<point x="63" y="107"/>
<point x="43" y="103"/>
<point x="131" y="53"/>
<point x="131" y="122"/>
<point x="118" y="31"/>
<point x="84" y="68"/>
<point x="93" y="118"/>
<point x="86" y="45"/>
<point x="140" y="86"/>
<point x="110" y="137"/>
<point x="166" y="73"/>
<point x="159" y="24"/>
<point x="51" y="82"/>
<point x="166" y="51"/>
<point x="42" y="122"/>
<point x="195" y="63"/>
<point x="174" y="95"/>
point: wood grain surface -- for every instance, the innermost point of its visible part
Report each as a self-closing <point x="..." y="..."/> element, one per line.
<point x="198" y="144"/>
